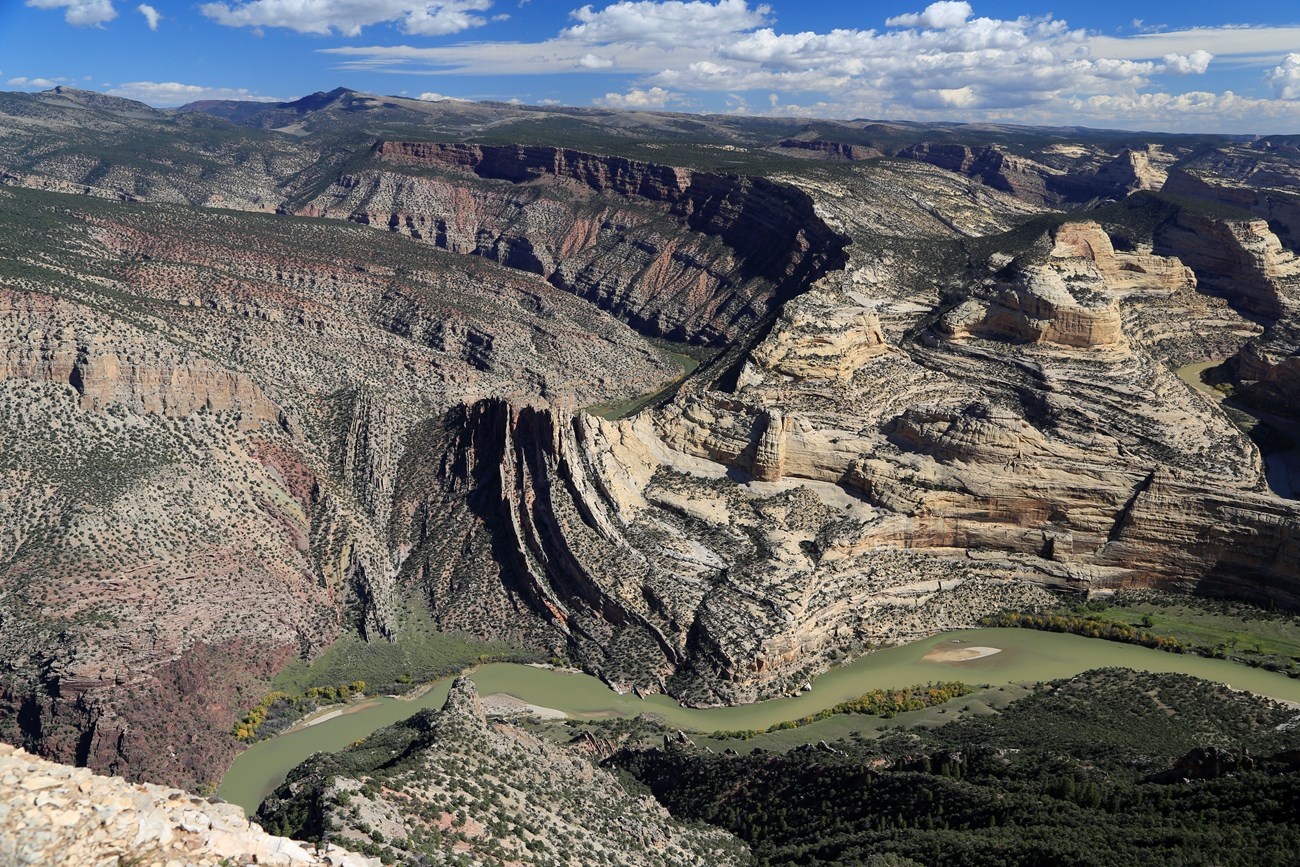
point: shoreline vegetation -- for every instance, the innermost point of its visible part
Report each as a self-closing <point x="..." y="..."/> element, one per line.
<point x="884" y="703"/>
<point x="1233" y="631"/>
<point x="351" y="669"/>
<point x="1214" y="629"/>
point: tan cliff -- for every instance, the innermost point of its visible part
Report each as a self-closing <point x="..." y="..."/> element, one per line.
<point x="49" y="340"/>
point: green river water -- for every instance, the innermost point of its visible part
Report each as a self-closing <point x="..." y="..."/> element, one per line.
<point x="1026" y="655"/>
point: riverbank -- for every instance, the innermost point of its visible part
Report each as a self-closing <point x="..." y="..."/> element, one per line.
<point x="687" y="358"/>
<point x="1025" y="656"/>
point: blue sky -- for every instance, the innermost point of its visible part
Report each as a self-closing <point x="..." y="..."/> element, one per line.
<point x="1193" y="65"/>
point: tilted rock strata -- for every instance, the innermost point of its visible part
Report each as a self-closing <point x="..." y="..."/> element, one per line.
<point x="846" y="489"/>
<point x="203" y="425"/>
<point x="56" y="814"/>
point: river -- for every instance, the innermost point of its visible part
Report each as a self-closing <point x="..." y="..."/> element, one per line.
<point x="1281" y="467"/>
<point x="1025" y="655"/>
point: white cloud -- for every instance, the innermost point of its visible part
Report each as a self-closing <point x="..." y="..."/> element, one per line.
<point x="24" y="81"/>
<point x="1188" y="64"/>
<point x="80" y="13"/>
<point x="429" y="96"/>
<point x="151" y="15"/>
<point x="1248" y="44"/>
<point x="942" y="62"/>
<point x="1285" y="77"/>
<point x="655" y="97"/>
<point x="937" y="16"/>
<point x="164" y="94"/>
<point x="416" y="17"/>
<point x="667" y="23"/>
<point x="1192" y="110"/>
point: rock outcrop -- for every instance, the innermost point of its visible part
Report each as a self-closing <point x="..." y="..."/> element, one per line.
<point x="688" y="255"/>
<point x="1024" y="178"/>
<point x="1047" y="179"/>
<point x="1260" y="178"/>
<point x="832" y="150"/>
<point x="202" y="421"/>
<point x="55" y="814"/>
<point x="447" y="785"/>
<point x="1242" y="260"/>
<point x="228" y="438"/>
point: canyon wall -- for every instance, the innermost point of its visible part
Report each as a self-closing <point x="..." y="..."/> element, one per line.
<point x="677" y="253"/>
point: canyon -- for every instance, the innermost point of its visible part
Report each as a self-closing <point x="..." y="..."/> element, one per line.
<point x="259" y="388"/>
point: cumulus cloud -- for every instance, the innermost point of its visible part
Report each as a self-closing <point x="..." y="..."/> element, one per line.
<point x="429" y="96"/>
<point x="1192" y="110"/>
<point x="937" y="16"/>
<point x="165" y="94"/>
<point x="24" y="81"/>
<point x="655" y="97"/>
<point x="1285" y="78"/>
<point x="941" y="61"/>
<point x="80" y="13"/>
<point x="348" y="17"/>
<point x="667" y="23"/>
<point x="151" y="15"/>
<point x="1188" y="64"/>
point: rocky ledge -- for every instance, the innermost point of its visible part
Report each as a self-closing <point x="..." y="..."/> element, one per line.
<point x="56" y="814"/>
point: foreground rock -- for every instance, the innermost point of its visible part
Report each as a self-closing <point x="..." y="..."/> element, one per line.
<point x="56" y="814"/>
<point x="448" y="785"/>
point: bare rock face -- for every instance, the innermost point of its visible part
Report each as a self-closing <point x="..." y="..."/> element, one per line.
<point x="689" y="255"/>
<point x="1024" y="178"/>
<point x="1243" y="260"/>
<point x="50" y="340"/>
<point x="1133" y="170"/>
<point x="759" y="523"/>
<point x="1057" y="176"/>
<point x="1126" y="271"/>
<point x="202" y="446"/>
<point x="226" y="439"/>
<point x="56" y="814"/>
<point x="818" y="338"/>
<point x="1043" y="308"/>
<point x="1259" y="177"/>
<point x="831" y="150"/>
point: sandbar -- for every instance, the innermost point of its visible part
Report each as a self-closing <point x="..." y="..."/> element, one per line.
<point x="959" y="654"/>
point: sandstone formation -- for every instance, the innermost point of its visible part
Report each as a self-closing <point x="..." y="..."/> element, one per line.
<point x="55" y="814"/>
<point x="836" y="490"/>
<point x="1023" y="178"/>
<point x="203" y="420"/>
<point x="1062" y="177"/>
<point x="1259" y="177"/>
<point x="229" y="437"/>
<point x="1242" y="260"/>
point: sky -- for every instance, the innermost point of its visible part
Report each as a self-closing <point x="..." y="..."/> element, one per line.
<point x="1194" y="65"/>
